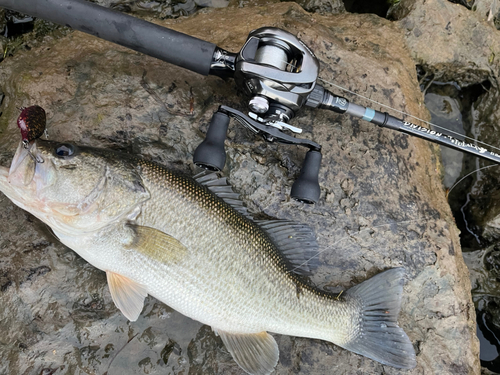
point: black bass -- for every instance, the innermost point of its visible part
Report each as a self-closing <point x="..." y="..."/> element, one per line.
<point x="192" y="245"/>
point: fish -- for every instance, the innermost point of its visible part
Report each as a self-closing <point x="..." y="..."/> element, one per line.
<point x="192" y="244"/>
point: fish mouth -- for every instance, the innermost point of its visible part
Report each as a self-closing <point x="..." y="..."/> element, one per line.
<point x="23" y="166"/>
<point x="4" y="182"/>
<point x="21" y="153"/>
<point x="5" y="185"/>
<point x="19" y="175"/>
<point x="4" y="173"/>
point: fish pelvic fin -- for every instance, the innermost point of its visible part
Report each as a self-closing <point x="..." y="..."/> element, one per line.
<point x="378" y="336"/>
<point x="127" y="295"/>
<point x="255" y="353"/>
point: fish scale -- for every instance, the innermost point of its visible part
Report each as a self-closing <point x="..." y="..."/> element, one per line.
<point x="154" y="231"/>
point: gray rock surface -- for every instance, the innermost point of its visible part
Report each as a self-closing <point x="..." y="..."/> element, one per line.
<point x="382" y="202"/>
<point x="465" y="46"/>
<point x="484" y="268"/>
<point x="466" y="50"/>
<point x="483" y="206"/>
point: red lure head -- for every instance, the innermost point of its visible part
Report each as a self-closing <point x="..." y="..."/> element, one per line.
<point x="32" y="122"/>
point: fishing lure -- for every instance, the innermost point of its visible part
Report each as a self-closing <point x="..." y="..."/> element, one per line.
<point x="33" y="124"/>
<point x="32" y="121"/>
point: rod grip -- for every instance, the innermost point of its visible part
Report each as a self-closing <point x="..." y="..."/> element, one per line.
<point x="142" y="36"/>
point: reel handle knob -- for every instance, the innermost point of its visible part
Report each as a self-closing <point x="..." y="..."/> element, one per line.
<point x="306" y="187"/>
<point x="210" y="154"/>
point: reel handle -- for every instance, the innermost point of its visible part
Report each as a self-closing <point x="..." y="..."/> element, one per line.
<point x="211" y="154"/>
<point x="306" y="187"/>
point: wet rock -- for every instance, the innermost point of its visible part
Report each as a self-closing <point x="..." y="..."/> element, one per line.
<point x="382" y="203"/>
<point x="3" y="45"/>
<point x="212" y="3"/>
<point x="452" y="42"/>
<point x="481" y="198"/>
<point x="322" y="6"/>
<point x="3" y="21"/>
<point x="484" y="268"/>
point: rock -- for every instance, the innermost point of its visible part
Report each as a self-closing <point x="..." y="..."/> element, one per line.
<point x="460" y="43"/>
<point x="323" y="6"/>
<point x="3" y="46"/>
<point x="3" y="21"/>
<point x="482" y="207"/>
<point x="212" y="3"/>
<point x="382" y="203"/>
<point x="449" y="40"/>
<point x="484" y="268"/>
<point x="475" y="198"/>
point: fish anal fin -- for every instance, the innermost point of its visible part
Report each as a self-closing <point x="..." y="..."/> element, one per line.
<point x="157" y="245"/>
<point x="255" y="353"/>
<point x="127" y="295"/>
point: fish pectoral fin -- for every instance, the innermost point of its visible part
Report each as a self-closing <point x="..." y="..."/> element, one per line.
<point x="127" y="295"/>
<point x="255" y="353"/>
<point x="157" y="245"/>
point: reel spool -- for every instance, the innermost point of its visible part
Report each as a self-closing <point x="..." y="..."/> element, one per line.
<point x="274" y="54"/>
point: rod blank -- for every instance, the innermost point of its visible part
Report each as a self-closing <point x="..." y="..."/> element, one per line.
<point x="142" y="36"/>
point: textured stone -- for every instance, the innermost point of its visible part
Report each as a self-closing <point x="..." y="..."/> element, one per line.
<point x="382" y="203"/>
<point x="450" y="41"/>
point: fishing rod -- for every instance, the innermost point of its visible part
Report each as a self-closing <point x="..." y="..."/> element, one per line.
<point x="276" y="70"/>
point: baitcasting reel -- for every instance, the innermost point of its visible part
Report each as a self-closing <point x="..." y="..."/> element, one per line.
<point x="279" y="73"/>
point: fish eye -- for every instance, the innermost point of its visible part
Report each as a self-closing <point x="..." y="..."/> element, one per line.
<point x="65" y="150"/>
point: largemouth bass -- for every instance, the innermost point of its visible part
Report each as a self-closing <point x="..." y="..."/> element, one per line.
<point x="192" y="245"/>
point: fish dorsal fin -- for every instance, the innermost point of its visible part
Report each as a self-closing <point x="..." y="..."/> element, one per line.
<point x="223" y="189"/>
<point x="296" y="242"/>
<point x="256" y="353"/>
<point x="157" y="245"/>
<point x="127" y="295"/>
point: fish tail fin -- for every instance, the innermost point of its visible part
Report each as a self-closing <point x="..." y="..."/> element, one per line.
<point x="379" y="337"/>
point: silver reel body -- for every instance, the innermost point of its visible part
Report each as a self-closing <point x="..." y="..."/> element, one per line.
<point x="278" y="71"/>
